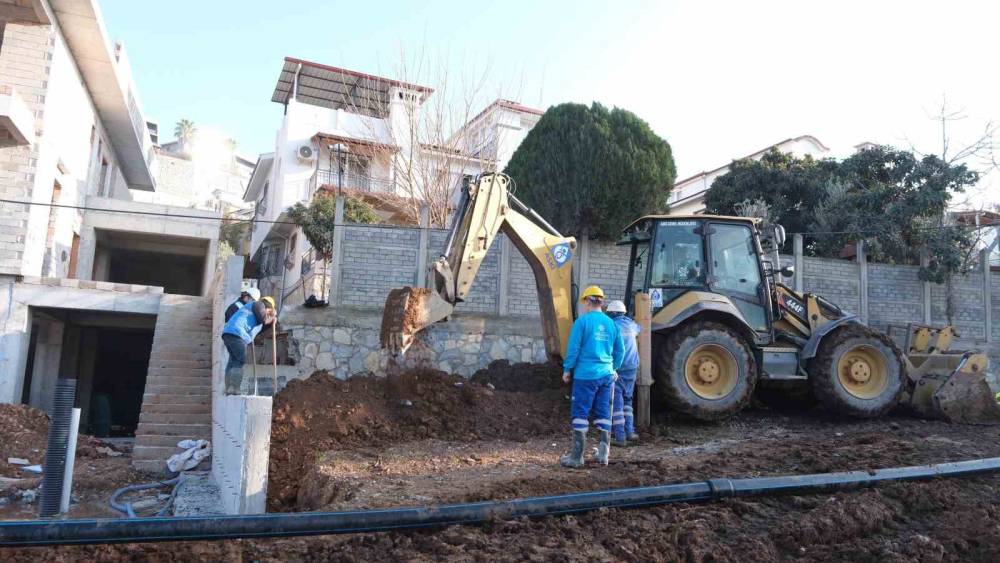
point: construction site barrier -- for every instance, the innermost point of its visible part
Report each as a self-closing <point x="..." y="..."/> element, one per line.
<point x="63" y="532"/>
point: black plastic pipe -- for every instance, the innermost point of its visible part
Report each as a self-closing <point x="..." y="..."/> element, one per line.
<point x="55" y="451"/>
<point x="61" y="532"/>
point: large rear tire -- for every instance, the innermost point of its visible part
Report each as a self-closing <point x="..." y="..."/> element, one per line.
<point x="705" y="371"/>
<point x="857" y="372"/>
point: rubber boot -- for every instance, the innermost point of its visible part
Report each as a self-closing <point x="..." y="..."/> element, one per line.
<point x="575" y="456"/>
<point x="633" y="437"/>
<point x="603" y="447"/>
<point x="619" y="442"/>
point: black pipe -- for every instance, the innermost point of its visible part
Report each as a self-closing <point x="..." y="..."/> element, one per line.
<point x="55" y="452"/>
<point x="65" y="532"/>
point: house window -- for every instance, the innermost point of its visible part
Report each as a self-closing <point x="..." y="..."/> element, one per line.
<point x="262" y="203"/>
<point x="102" y="185"/>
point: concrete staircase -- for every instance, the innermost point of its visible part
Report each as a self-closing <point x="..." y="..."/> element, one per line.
<point x="177" y="403"/>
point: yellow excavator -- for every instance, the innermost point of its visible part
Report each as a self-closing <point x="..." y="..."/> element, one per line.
<point x="722" y="325"/>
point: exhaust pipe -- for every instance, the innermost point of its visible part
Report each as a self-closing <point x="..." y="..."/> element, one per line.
<point x="68" y="532"/>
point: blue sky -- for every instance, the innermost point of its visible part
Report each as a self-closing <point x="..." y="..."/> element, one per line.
<point x="716" y="79"/>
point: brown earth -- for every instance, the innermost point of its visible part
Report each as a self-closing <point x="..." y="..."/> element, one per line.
<point x="96" y="474"/>
<point x="323" y="414"/>
<point x="475" y="455"/>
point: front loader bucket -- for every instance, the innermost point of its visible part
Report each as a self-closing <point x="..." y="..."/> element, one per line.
<point x="954" y="387"/>
<point x="408" y="310"/>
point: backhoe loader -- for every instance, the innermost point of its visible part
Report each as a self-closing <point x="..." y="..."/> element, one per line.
<point x="722" y="325"/>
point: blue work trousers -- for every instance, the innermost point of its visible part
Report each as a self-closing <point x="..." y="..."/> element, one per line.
<point x="622" y="419"/>
<point x="592" y="397"/>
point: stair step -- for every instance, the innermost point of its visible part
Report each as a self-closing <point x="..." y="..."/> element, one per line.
<point x="171" y="408"/>
<point x="204" y="372"/>
<point x="177" y="399"/>
<point x="196" y="380"/>
<point x="152" y="429"/>
<point x="181" y="363"/>
<point x="155" y="452"/>
<point x="175" y="418"/>
<point x="154" y="441"/>
<point x="197" y="390"/>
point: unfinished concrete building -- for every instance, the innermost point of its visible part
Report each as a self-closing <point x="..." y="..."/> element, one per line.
<point x="93" y="285"/>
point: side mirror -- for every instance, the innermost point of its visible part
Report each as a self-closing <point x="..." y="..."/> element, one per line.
<point x="779" y="236"/>
<point x="787" y="271"/>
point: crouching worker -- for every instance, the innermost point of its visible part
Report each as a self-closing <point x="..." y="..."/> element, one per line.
<point x="622" y="419"/>
<point x="594" y="352"/>
<point x="239" y="332"/>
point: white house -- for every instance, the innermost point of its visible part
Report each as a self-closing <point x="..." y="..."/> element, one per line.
<point x="688" y="196"/>
<point x="347" y="131"/>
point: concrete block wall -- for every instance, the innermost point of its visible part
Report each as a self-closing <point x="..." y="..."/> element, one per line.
<point x="970" y="315"/>
<point x="522" y="295"/>
<point x="995" y="305"/>
<point x="895" y="295"/>
<point x="837" y="280"/>
<point x="375" y="260"/>
<point x="607" y="266"/>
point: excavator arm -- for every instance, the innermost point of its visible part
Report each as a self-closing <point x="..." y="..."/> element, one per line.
<point x="487" y="208"/>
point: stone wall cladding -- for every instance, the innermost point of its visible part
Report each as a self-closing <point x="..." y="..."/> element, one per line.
<point x="895" y="296"/>
<point x="836" y="280"/>
<point x="346" y="348"/>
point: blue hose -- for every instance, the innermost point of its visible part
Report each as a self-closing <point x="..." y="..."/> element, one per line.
<point x="126" y="508"/>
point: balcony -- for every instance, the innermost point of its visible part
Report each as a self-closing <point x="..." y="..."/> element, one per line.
<point x="331" y="180"/>
<point x="17" y="122"/>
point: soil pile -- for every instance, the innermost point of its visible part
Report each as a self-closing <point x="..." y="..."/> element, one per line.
<point x="23" y="432"/>
<point x="323" y="413"/>
<point x="520" y="377"/>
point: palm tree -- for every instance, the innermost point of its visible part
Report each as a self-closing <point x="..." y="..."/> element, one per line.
<point x="185" y="132"/>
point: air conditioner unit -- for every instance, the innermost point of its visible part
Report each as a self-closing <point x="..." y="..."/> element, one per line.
<point x="306" y="153"/>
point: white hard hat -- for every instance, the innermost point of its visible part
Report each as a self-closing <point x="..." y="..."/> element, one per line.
<point x="254" y="292"/>
<point x="616" y="306"/>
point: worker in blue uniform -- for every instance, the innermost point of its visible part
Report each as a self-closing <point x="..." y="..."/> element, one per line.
<point x="240" y="331"/>
<point x="593" y="355"/>
<point x="622" y="418"/>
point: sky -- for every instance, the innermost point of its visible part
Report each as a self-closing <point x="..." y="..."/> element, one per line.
<point x="717" y="80"/>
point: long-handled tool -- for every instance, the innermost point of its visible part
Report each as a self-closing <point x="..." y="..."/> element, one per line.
<point x="253" y="356"/>
<point x="274" y="357"/>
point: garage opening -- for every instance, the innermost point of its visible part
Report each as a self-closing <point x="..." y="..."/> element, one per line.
<point x="107" y="354"/>
<point x="177" y="264"/>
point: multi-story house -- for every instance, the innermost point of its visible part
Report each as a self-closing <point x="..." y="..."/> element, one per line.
<point x="371" y="137"/>
<point x="95" y="287"/>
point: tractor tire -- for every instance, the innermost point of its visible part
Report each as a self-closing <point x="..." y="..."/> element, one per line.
<point x="705" y="370"/>
<point x="857" y="372"/>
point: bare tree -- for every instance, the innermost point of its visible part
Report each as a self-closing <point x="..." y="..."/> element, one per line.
<point x="440" y="137"/>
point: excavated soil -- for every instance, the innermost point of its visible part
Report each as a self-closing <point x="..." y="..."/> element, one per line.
<point x="364" y="448"/>
<point x="323" y="414"/>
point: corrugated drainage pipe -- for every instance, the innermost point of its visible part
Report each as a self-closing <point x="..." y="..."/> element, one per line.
<point x="55" y="452"/>
<point x="317" y="523"/>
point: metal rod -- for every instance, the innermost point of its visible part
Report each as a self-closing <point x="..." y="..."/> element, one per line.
<point x="531" y="213"/>
<point x="66" y="532"/>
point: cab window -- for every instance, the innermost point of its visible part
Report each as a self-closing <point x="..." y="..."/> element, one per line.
<point x="734" y="262"/>
<point x="678" y="257"/>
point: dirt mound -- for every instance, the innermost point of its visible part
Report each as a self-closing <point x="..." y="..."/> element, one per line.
<point x="23" y="432"/>
<point x="323" y="413"/>
<point x="520" y="377"/>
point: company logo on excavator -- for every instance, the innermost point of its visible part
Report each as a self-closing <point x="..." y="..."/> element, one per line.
<point x="559" y="255"/>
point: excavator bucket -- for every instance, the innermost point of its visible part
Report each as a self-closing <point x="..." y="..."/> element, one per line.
<point x="408" y="310"/>
<point x="949" y="385"/>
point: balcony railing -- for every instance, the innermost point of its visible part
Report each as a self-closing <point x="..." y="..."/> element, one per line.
<point x="353" y="182"/>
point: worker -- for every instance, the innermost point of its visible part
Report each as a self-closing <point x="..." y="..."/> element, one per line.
<point x="595" y="351"/>
<point x="239" y="332"/>
<point x="248" y="296"/>
<point x="622" y="419"/>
